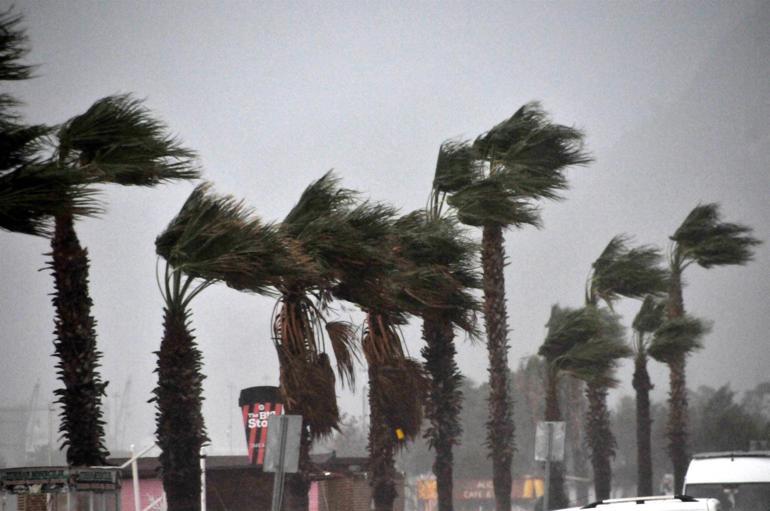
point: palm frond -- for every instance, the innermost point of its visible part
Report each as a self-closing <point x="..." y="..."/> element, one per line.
<point x="323" y="197"/>
<point x="704" y="238"/>
<point x="13" y="47"/>
<point x="31" y="195"/>
<point x="342" y="336"/>
<point x="217" y="238"/>
<point x="489" y="202"/>
<point x="568" y="328"/>
<point x="631" y="272"/>
<point x="650" y="316"/>
<point x="117" y="140"/>
<point x="530" y="152"/>
<point x="677" y="337"/>
<point x="457" y="166"/>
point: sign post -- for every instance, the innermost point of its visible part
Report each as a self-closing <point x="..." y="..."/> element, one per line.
<point x="282" y="451"/>
<point x="549" y="446"/>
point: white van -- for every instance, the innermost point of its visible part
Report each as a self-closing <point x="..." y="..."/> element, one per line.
<point x="739" y="480"/>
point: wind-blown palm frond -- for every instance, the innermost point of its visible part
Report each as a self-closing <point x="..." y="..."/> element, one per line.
<point x="217" y="238"/>
<point x="632" y="272"/>
<point x="677" y="337"/>
<point x="705" y="239"/>
<point x="118" y="141"/>
<point x="490" y="202"/>
<point x="530" y="152"/>
<point x="457" y="166"/>
<point x="437" y="269"/>
<point x="321" y="197"/>
<point x="650" y="316"/>
<point x="13" y="47"/>
<point x="568" y="328"/>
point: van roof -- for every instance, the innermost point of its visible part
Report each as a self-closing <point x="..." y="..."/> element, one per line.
<point x="732" y="454"/>
<point x="738" y="467"/>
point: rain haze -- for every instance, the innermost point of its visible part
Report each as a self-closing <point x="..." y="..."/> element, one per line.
<point x="674" y="99"/>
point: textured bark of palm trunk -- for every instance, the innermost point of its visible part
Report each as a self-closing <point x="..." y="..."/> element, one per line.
<point x="381" y="454"/>
<point x="557" y="497"/>
<point x="600" y="439"/>
<point x="642" y="386"/>
<point x="677" y="421"/>
<point x="75" y="348"/>
<point x="500" y="438"/>
<point x="677" y="418"/>
<point x="180" y="429"/>
<point x="444" y="402"/>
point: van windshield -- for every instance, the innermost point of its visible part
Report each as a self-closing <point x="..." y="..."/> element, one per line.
<point x="735" y="497"/>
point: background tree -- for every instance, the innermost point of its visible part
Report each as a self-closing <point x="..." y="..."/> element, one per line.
<point x="702" y="239"/>
<point x="493" y="183"/>
<point x="620" y="271"/>
<point x="212" y="239"/>
<point x="648" y="319"/>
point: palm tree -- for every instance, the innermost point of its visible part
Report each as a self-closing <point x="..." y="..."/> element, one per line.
<point x="331" y="237"/>
<point x="212" y="239"/>
<point x="647" y="321"/>
<point x="702" y="239"/>
<point x="437" y="273"/>
<point x="620" y="271"/>
<point x="493" y="183"/>
<point x="115" y="141"/>
<point x="565" y="351"/>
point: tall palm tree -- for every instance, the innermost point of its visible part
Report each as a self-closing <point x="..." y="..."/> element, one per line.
<point x="437" y="273"/>
<point x="647" y="321"/>
<point x="212" y="239"/>
<point x="702" y="239"/>
<point x="115" y="141"/>
<point x="567" y="351"/>
<point x="493" y="183"/>
<point x="620" y="271"/>
<point x="332" y="236"/>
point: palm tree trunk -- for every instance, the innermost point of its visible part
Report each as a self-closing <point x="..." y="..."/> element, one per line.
<point x="557" y="498"/>
<point x="600" y="439"/>
<point x="677" y="415"/>
<point x="444" y="402"/>
<point x="642" y="386"/>
<point x="677" y="421"/>
<point x="500" y="428"/>
<point x="82" y="426"/>
<point x="382" y="465"/>
<point x="180" y="430"/>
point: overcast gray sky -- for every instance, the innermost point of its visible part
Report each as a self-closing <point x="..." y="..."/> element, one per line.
<point x="674" y="98"/>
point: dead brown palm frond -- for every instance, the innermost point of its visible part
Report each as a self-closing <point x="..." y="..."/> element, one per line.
<point x="342" y="337"/>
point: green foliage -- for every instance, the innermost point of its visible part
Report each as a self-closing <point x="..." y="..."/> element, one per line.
<point x="677" y="337"/>
<point x="494" y="179"/>
<point x="117" y="140"/>
<point x="623" y="271"/>
<point x="705" y="239"/>
<point x="216" y="238"/>
<point x="650" y="316"/>
<point x="586" y="343"/>
<point x="31" y="192"/>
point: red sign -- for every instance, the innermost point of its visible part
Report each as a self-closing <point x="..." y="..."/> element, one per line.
<point x="257" y="404"/>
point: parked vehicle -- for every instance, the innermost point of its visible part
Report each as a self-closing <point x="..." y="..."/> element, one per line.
<point x="739" y="480"/>
<point x="661" y="503"/>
